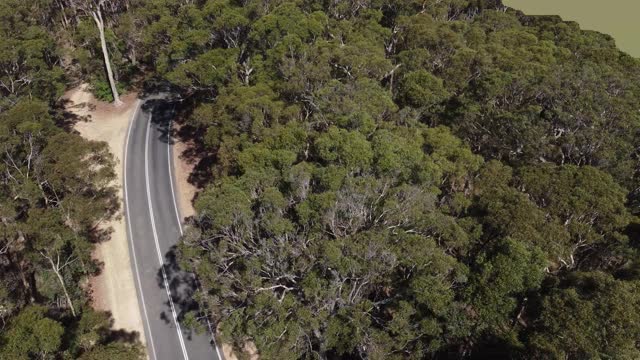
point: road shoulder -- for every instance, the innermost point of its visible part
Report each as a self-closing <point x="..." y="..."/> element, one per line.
<point x="183" y="167"/>
<point x="113" y="290"/>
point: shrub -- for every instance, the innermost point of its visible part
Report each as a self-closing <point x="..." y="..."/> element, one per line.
<point x="102" y="91"/>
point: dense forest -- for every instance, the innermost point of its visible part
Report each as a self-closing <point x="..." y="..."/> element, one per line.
<point x="381" y="179"/>
<point x="55" y="193"/>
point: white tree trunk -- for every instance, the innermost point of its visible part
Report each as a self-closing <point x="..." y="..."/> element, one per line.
<point x="55" y="266"/>
<point x="97" y="17"/>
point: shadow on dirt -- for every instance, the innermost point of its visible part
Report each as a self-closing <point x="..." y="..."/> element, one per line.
<point x="66" y="119"/>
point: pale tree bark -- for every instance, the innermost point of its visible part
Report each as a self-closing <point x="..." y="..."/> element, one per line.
<point x="97" y="17"/>
<point x="57" y="268"/>
<point x="65" y="21"/>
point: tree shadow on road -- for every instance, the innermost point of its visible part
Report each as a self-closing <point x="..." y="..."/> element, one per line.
<point x="183" y="287"/>
<point x="196" y="154"/>
<point x="161" y="112"/>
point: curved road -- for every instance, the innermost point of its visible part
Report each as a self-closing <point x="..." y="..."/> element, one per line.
<point x="165" y="293"/>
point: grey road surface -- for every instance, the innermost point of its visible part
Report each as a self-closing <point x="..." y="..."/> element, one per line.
<point x="165" y="293"/>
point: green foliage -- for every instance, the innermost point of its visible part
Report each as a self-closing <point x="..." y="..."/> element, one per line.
<point x="421" y="89"/>
<point x="29" y="59"/>
<point x="398" y="180"/>
<point x="506" y="272"/>
<point x="55" y="191"/>
<point x="398" y="156"/>
<point x="591" y="315"/>
<point x="86" y="50"/>
<point x="55" y="188"/>
<point x="102" y="90"/>
<point x="388" y="179"/>
<point x="345" y="148"/>
<point x="207" y="71"/>
<point x="32" y="334"/>
<point x="113" y="351"/>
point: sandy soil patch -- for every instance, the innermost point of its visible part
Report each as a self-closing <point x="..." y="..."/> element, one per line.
<point x="250" y="352"/>
<point x="114" y="289"/>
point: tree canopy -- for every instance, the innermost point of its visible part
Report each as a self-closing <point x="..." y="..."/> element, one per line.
<point x="382" y="179"/>
<point x="55" y="194"/>
<point x="444" y="179"/>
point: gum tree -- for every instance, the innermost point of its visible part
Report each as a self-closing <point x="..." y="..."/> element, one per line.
<point x="98" y="10"/>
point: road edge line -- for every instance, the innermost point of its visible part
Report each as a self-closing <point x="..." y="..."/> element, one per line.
<point x="129" y="232"/>
<point x="175" y="206"/>
<point x="157" y="243"/>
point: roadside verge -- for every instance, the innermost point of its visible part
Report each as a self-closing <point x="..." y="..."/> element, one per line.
<point x="113" y="289"/>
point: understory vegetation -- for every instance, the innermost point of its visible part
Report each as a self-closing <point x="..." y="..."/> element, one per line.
<point x="382" y="179"/>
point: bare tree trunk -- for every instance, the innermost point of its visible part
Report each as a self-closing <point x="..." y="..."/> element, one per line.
<point x="65" y="21"/>
<point x="66" y="294"/>
<point x="55" y="266"/>
<point x="390" y="75"/>
<point x="97" y="17"/>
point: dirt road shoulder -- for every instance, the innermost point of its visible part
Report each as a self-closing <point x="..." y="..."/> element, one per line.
<point x="114" y="289"/>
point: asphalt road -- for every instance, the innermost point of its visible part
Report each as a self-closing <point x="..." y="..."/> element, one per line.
<point x="164" y="292"/>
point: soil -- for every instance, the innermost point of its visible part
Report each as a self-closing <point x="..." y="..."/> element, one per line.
<point x="250" y="352"/>
<point x="183" y="166"/>
<point x="113" y="290"/>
